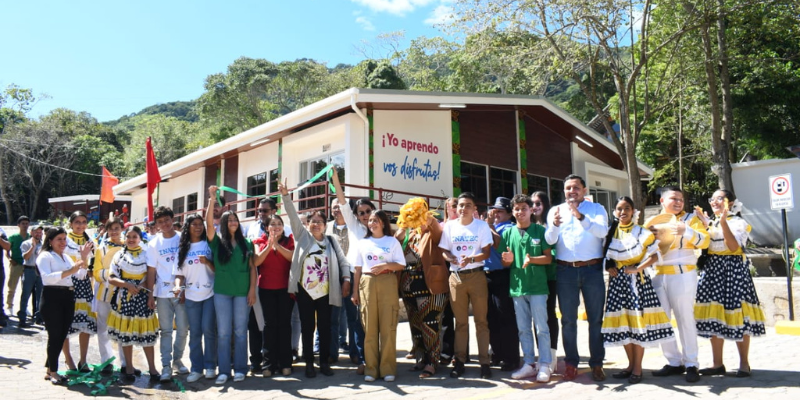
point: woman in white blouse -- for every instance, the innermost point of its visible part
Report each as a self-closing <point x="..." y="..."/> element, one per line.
<point x="58" y="300"/>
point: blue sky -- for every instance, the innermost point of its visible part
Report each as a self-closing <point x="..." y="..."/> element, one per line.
<point x="112" y="58"/>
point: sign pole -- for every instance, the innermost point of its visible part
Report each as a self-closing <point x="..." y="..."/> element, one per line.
<point x="789" y="269"/>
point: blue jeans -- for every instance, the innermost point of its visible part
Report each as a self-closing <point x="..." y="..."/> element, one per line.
<point x="169" y="309"/>
<point x="31" y="282"/>
<point x="232" y="316"/>
<point x="533" y="308"/>
<point x="572" y="281"/>
<point x="202" y="334"/>
<point x="356" y="336"/>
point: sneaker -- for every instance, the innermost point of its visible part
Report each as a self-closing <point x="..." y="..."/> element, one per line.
<point x="178" y="367"/>
<point x="238" y="377"/>
<point x="211" y="374"/>
<point x="526" y="371"/>
<point x="458" y="370"/>
<point x="544" y="374"/>
<point x="368" y="378"/>
<point x="194" y="377"/>
<point x="221" y="379"/>
<point x="388" y="378"/>
<point x="166" y="374"/>
<point x="266" y="373"/>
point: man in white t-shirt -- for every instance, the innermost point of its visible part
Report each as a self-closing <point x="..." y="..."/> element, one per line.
<point x="162" y="257"/>
<point x="465" y="243"/>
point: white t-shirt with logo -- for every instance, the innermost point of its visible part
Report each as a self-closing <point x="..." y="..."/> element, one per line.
<point x="466" y="240"/>
<point x="199" y="278"/>
<point x="162" y="254"/>
<point x="372" y="251"/>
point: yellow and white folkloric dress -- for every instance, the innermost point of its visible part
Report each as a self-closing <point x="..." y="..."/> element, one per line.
<point x="131" y="322"/>
<point x="633" y="312"/>
<point x="727" y="305"/>
<point x="85" y="320"/>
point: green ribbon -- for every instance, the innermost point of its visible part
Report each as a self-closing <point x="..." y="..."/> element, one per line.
<point x="179" y="384"/>
<point x="328" y="170"/>
<point x="93" y="379"/>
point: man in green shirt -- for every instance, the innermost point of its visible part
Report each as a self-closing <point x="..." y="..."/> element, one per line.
<point x="15" y="260"/>
<point x="527" y="253"/>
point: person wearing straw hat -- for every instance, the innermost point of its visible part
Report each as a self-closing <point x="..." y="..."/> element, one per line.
<point x="676" y="279"/>
<point x="577" y="228"/>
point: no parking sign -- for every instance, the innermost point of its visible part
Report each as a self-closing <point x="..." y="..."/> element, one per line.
<point x="780" y="192"/>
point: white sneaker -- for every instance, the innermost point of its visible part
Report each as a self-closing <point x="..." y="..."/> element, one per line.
<point x="194" y="377"/>
<point x="526" y="371"/>
<point x="166" y="374"/>
<point x="554" y="363"/>
<point x="368" y="378"/>
<point x="211" y="374"/>
<point x="180" y="368"/>
<point x="388" y="378"/>
<point x="544" y="373"/>
<point x="238" y="377"/>
<point x="221" y="379"/>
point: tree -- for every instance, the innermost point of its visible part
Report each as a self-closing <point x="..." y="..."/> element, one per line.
<point x="581" y="35"/>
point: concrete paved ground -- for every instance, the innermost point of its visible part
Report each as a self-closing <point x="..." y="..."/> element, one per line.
<point x="775" y="360"/>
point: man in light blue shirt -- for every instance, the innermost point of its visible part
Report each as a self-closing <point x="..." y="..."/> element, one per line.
<point x="577" y="229"/>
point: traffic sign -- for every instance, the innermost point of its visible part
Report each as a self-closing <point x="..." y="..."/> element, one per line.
<point x="780" y="192"/>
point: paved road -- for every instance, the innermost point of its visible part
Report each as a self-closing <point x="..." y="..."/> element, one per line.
<point x="775" y="360"/>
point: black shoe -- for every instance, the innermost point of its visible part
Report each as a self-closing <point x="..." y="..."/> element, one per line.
<point x="326" y="370"/>
<point x="295" y="356"/>
<point x="623" y="374"/>
<point x="256" y="369"/>
<point x="127" y="379"/>
<point x="508" y="367"/>
<point x="486" y="372"/>
<point x="634" y="379"/>
<point x="107" y="370"/>
<point x="458" y="370"/>
<point x="692" y="375"/>
<point x="668" y="370"/>
<point x="22" y="324"/>
<point x="83" y="367"/>
<point x="310" y="371"/>
<point x="713" y="371"/>
<point x="742" y="374"/>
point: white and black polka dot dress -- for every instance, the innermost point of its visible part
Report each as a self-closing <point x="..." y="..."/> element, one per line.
<point x="131" y="321"/>
<point x="727" y="305"/>
<point x="85" y="320"/>
<point x="633" y="312"/>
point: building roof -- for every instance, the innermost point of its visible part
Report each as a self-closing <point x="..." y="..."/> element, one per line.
<point x="537" y="108"/>
<point x="86" y="197"/>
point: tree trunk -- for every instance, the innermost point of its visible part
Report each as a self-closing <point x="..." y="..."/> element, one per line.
<point x="719" y="151"/>
<point x="724" y="172"/>
<point x="6" y="201"/>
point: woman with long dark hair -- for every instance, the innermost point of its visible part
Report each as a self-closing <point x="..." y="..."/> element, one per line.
<point x="634" y="317"/>
<point x="318" y="267"/>
<point x="379" y="255"/>
<point x="58" y="301"/>
<point x="234" y="289"/>
<point x="131" y="321"/>
<point x="727" y="306"/>
<point x="274" y="262"/>
<point x="195" y="275"/>
<point x="541" y="206"/>
<point x="84" y="324"/>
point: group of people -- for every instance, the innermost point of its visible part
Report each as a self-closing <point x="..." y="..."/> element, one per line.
<point x="216" y="284"/>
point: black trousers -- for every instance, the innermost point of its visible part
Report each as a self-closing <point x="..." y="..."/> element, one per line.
<point x="255" y="338"/>
<point x="503" y="332"/>
<point x="58" y="309"/>
<point x="315" y="315"/>
<point x="277" y="306"/>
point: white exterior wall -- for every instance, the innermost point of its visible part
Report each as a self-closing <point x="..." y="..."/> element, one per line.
<point x="751" y="184"/>
<point x="259" y="160"/>
<point x="308" y="144"/>
<point x="138" y="205"/>
<point x="595" y="171"/>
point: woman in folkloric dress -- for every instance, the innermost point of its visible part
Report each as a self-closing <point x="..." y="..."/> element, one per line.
<point x="131" y="321"/>
<point x="84" y="324"/>
<point x="727" y="305"/>
<point x="634" y="318"/>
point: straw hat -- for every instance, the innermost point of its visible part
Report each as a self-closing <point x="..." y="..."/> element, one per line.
<point x="664" y="224"/>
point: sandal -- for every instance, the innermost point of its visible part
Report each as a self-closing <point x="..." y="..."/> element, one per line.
<point x="417" y="367"/>
<point x="83" y="367"/>
<point x="427" y="372"/>
<point x="59" y="380"/>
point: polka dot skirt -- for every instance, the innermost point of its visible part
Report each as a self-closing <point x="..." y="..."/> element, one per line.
<point x="634" y="314"/>
<point x="131" y="321"/>
<point x="85" y="320"/>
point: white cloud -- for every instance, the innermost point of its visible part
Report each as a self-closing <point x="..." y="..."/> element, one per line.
<point x="397" y="7"/>
<point x="365" y="23"/>
<point x="441" y="15"/>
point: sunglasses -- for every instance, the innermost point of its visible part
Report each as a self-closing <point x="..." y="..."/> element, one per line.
<point x="363" y="213"/>
<point x="537" y="203"/>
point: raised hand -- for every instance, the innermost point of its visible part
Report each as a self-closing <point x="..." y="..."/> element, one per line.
<point x="282" y="187"/>
<point x="212" y="191"/>
<point x="557" y="217"/>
